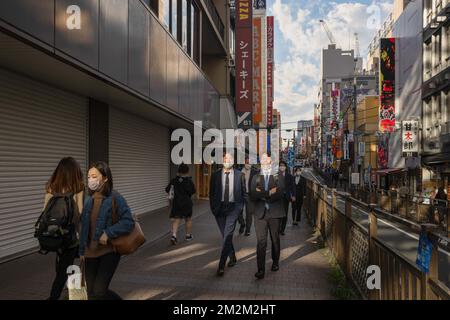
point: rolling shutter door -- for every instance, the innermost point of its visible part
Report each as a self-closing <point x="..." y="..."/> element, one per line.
<point x="139" y="160"/>
<point x="39" y="125"/>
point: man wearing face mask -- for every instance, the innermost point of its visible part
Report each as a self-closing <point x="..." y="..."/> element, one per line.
<point x="266" y="191"/>
<point x="248" y="173"/>
<point x="289" y="193"/>
<point x="226" y="199"/>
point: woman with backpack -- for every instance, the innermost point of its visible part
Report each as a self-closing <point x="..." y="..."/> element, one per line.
<point x="182" y="188"/>
<point x="66" y="180"/>
<point x="97" y="230"/>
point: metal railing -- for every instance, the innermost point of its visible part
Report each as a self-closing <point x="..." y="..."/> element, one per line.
<point x="356" y="248"/>
<point x="415" y="208"/>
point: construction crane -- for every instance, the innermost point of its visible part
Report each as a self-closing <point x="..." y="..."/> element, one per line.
<point x="328" y="31"/>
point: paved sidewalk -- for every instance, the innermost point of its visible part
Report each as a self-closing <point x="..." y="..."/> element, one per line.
<point x="31" y="276"/>
<point x="187" y="271"/>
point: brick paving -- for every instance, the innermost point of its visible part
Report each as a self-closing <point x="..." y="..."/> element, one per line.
<point x="187" y="271"/>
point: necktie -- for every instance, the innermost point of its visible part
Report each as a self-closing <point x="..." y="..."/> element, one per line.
<point x="226" y="196"/>
<point x="266" y="182"/>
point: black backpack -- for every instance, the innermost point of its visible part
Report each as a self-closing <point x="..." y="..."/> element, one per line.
<point x="55" y="229"/>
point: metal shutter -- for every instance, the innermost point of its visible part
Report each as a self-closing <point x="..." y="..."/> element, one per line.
<point x="139" y="160"/>
<point x="39" y="125"/>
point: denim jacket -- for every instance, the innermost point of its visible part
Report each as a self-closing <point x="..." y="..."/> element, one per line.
<point x="104" y="221"/>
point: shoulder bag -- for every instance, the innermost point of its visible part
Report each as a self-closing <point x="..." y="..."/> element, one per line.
<point x="129" y="243"/>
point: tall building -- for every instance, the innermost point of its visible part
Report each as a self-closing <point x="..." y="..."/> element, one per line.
<point x="336" y="65"/>
<point x="407" y="31"/>
<point x="436" y="93"/>
<point x="104" y="80"/>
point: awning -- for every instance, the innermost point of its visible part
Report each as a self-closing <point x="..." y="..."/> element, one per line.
<point x="385" y="172"/>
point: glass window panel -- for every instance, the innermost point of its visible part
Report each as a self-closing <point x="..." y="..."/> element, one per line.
<point x="173" y="28"/>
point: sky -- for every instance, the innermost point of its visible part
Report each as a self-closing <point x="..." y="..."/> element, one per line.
<point x="300" y="38"/>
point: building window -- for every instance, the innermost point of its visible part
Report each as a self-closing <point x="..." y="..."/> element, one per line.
<point x="173" y="17"/>
<point x="154" y="5"/>
<point x="164" y="13"/>
<point x="194" y="45"/>
<point x="184" y="25"/>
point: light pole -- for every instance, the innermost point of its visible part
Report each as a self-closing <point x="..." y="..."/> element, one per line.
<point x="355" y="140"/>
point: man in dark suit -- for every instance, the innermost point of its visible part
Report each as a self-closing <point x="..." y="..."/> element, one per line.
<point x="300" y="190"/>
<point x="266" y="191"/>
<point x="227" y="201"/>
<point x="289" y="193"/>
<point x="248" y="172"/>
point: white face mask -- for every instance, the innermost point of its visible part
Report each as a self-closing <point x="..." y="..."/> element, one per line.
<point x="227" y="165"/>
<point x="298" y="174"/>
<point x="266" y="169"/>
<point x="94" y="184"/>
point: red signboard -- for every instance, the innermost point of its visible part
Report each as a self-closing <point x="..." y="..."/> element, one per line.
<point x="387" y="85"/>
<point x="257" y="70"/>
<point x="270" y="74"/>
<point x="244" y="63"/>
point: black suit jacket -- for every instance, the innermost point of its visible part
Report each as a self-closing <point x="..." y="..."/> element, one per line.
<point x="215" y="191"/>
<point x="300" y="188"/>
<point x="253" y="172"/>
<point x="261" y="197"/>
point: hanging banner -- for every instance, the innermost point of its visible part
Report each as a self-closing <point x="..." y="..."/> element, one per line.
<point x="387" y="85"/>
<point x="410" y="138"/>
<point x="257" y="71"/>
<point x="383" y="148"/>
<point x="244" y="63"/>
<point x="424" y="251"/>
<point x="270" y="74"/>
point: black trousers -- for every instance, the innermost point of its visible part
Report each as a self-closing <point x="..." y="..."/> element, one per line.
<point x="226" y="221"/>
<point x="63" y="261"/>
<point x="264" y="226"/>
<point x="249" y="210"/>
<point x="297" y="209"/>
<point x="286" y="210"/>
<point x="99" y="273"/>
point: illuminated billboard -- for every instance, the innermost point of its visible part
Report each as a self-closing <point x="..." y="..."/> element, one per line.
<point x="387" y="85"/>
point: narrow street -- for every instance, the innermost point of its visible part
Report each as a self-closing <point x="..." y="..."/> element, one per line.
<point x="187" y="271"/>
<point x="394" y="234"/>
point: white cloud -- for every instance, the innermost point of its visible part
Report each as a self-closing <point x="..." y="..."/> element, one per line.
<point x="297" y="73"/>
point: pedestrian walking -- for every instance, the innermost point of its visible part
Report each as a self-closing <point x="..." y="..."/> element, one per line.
<point x="226" y="202"/>
<point x="66" y="180"/>
<point x="183" y="190"/>
<point x="288" y="193"/>
<point x="97" y="231"/>
<point x="440" y="205"/>
<point x="267" y="192"/>
<point x="300" y="189"/>
<point x="248" y="173"/>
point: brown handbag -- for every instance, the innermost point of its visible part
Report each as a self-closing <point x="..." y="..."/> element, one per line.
<point x="128" y="243"/>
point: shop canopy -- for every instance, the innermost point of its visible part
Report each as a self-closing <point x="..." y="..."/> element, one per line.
<point x="385" y="172"/>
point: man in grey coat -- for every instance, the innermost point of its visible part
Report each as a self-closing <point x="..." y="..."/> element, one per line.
<point x="267" y="191"/>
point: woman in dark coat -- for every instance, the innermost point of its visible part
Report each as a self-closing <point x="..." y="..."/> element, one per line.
<point x="182" y="190"/>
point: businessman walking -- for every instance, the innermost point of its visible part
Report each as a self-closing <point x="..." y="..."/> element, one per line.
<point x="267" y="191"/>
<point x="226" y="202"/>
